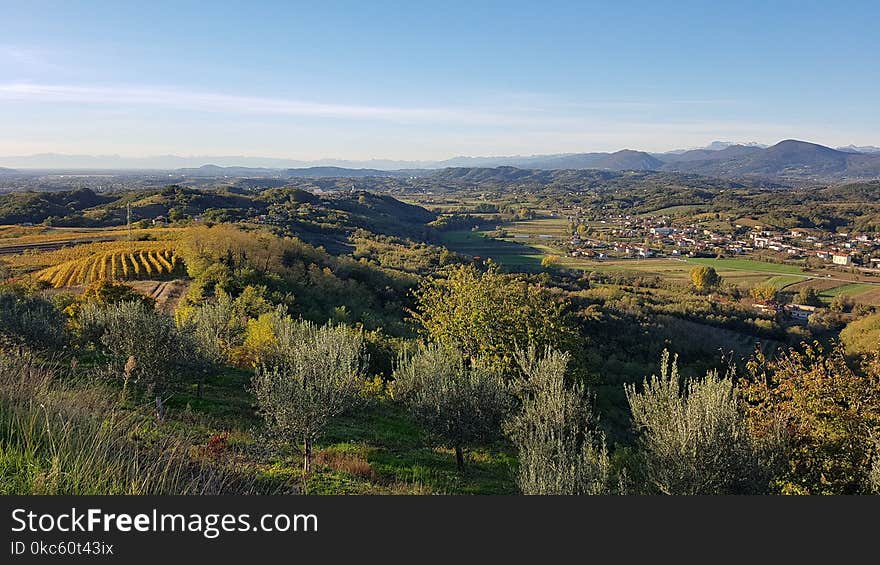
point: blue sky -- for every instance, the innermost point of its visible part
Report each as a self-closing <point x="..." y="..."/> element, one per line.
<point x="408" y="80"/>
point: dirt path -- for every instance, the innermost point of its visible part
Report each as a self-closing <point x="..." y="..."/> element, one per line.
<point x="167" y="294"/>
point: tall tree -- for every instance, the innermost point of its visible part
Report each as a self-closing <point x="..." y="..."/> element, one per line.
<point x="764" y="293"/>
<point x="488" y="314"/>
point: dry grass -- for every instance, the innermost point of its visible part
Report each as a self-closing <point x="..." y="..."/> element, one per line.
<point x="346" y="462"/>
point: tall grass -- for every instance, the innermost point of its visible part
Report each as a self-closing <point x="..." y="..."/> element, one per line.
<point x="61" y="439"/>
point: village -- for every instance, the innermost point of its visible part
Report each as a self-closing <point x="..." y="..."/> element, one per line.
<point x="623" y="236"/>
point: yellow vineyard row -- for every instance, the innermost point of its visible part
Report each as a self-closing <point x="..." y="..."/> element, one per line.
<point x="112" y="265"/>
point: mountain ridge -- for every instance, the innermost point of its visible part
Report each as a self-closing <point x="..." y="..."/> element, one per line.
<point x="789" y="160"/>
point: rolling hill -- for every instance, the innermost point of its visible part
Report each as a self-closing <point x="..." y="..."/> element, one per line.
<point x="730" y="152"/>
<point x="628" y="160"/>
<point x="336" y="172"/>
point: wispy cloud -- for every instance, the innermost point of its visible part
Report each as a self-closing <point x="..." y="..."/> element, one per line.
<point x="220" y="102"/>
<point x="512" y="110"/>
<point x="496" y="124"/>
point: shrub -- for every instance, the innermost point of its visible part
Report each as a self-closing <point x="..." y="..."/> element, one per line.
<point x="30" y="320"/>
<point x="144" y="346"/>
<point x="694" y="438"/>
<point x="560" y="451"/>
<point x="829" y="410"/>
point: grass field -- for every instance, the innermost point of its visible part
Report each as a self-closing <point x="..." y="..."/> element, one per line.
<point x="783" y="281"/>
<point x="747" y="265"/>
<point x="847" y="289"/>
<point x="556" y="227"/>
<point x="505" y="253"/>
<point x="526" y="254"/>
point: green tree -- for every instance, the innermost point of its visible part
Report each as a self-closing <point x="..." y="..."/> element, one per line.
<point x="460" y="402"/>
<point x="705" y="278"/>
<point x="764" y="293"/>
<point x="809" y="297"/>
<point x="144" y="346"/>
<point x="830" y="411"/>
<point x="560" y="449"/>
<point x="693" y="436"/>
<point x="488" y="314"/>
<point x="30" y="320"/>
<point x="310" y="375"/>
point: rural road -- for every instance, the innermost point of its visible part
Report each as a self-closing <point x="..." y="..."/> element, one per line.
<point x="52" y="245"/>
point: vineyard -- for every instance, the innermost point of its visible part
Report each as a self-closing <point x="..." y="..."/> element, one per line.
<point x="154" y="260"/>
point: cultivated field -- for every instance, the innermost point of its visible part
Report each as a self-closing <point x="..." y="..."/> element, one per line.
<point x="526" y="253"/>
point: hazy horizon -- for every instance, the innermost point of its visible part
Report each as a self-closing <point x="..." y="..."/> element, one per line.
<point x="62" y="161"/>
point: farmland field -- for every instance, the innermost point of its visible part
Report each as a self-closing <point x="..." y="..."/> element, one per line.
<point x="526" y="254"/>
<point x="850" y="289"/>
<point x="505" y="253"/>
<point x="556" y="227"/>
<point x="748" y="265"/>
<point x="126" y="262"/>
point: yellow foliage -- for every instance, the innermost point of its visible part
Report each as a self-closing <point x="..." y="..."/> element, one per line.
<point x="259" y="335"/>
<point x="147" y="258"/>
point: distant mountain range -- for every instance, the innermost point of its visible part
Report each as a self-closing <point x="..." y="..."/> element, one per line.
<point x="305" y="172"/>
<point x="859" y="149"/>
<point x="789" y="160"/>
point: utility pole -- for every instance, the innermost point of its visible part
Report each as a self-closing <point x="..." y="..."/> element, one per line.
<point x="128" y="219"/>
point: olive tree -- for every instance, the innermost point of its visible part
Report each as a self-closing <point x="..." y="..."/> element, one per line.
<point x="460" y="401"/>
<point x="309" y="375"/>
<point x="216" y="329"/>
<point x="143" y="344"/>
<point x="693" y="436"/>
<point x="30" y="320"/>
<point x="560" y="450"/>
